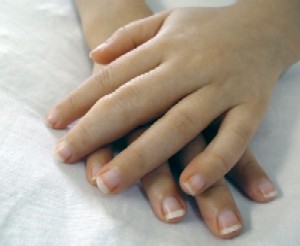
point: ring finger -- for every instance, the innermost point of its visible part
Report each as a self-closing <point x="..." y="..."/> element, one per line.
<point x="216" y="204"/>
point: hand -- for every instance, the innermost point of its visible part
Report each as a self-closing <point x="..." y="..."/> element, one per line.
<point x="146" y="84"/>
<point x="216" y="205"/>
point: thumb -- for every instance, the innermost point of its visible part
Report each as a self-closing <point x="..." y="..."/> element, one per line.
<point x="128" y="38"/>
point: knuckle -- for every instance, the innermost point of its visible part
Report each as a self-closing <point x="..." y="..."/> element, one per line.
<point x="246" y="166"/>
<point x="103" y="80"/>
<point x="138" y="157"/>
<point x="158" y="175"/>
<point x="220" y="160"/>
<point x="242" y="135"/>
<point x="131" y="93"/>
<point x="183" y="123"/>
<point x="72" y="103"/>
<point x="68" y="105"/>
<point x="162" y="171"/>
<point x="125" y="100"/>
<point x="84" y="136"/>
<point x="218" y="187"/>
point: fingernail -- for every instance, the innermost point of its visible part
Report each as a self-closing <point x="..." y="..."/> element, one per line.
<point x="228" y="222"/>
<point x="100" y="47"/>
<point x="51" y="118"/>
<point x="172" y="208"/>
<point x="194" y="184"/>
<point x="62" y="151"/>
<point x="96" y="168"/>
<point x="108" y="181"/>
<point x="267" y="189"/>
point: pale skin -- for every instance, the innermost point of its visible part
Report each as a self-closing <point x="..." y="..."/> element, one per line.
<point x="181" y="70"/>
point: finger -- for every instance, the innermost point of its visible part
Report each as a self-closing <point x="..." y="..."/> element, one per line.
<point x="128" y="38"/>
<point x="162" y="140"/>
<point x="97" y="160"/>
<point x="102" y="83"/>
<point x="163" y="194"/>
<point x="248" y="176"/>
<point x="131" y="105"/>
<point x="216" y="204"/>
<point x="162" y="191"/>
<point x="107" y="80"/>
<point x="223" y="152"/>
<point x="219" y="211"/>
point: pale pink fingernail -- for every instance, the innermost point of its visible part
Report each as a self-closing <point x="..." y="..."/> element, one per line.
<point x="108" y="181"/>
<point x="62" y="151"/>
<point x="172" y="208"/>
<point x="194" y="184"/>
<point x="96" y="166"/>
<point x="51" y="118"/>
<point x="267" y="189"/>
<point x="98" y="48"/>
<point x="228" y="222"/>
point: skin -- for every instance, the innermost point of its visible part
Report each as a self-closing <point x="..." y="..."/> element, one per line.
<point x="132" y="93"/>
<point x="143" y="54"/>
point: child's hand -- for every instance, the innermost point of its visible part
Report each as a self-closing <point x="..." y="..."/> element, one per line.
<point x="184" y="69"/>
<point x="216" y="204"/>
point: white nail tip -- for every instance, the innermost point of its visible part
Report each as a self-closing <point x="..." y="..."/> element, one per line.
<point x="102" y="187"/>
<point x="189" y="189"/>
<point x="231" y="229"/>
<point x="270" y="194"/>
<point x="48" y="124"/>
<point x="57" y="157"/>
<point x="174" y="214"/>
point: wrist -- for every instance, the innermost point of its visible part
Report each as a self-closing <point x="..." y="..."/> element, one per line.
<point x="288" y="23"/>
<point x="292" y="32"/>
<point x="282" y="20"/>
<point x="101" y="18"/>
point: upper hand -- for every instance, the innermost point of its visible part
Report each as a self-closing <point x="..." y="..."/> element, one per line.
<point x="185" y="68"/>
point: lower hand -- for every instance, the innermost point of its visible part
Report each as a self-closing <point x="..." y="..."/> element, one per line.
<point x="216" y="205"/>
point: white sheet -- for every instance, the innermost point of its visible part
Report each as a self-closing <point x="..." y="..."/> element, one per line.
<point x="42" y="57"/>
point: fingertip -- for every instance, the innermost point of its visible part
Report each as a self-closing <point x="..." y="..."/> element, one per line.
<point x="259" y="191"/>
<point x="252" y="180"/>
<point x="168" y="208"/>
<point x="94" y="53"/>
<point x="96" y="161"/>
<point x="173" y="209"/>
<point x="223" y="222"/>
<point x="92" y="168"/>
<point x="229" y="224"/>
<point x="100" y="54"/>
<point x="266" y="190"/>
<point x="51" y="119"/>
<point x="109" y="181"/>
<point x="99" y="48"/>
<point x="62" y="152"/>
<point x="54" y="120"/>
<point x="164" y="196"/>
<point x="194" y="185"/>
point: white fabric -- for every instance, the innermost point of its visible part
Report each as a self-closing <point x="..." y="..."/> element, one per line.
<point x="42" y="57"/>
